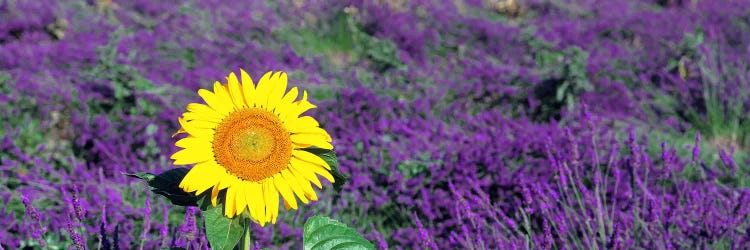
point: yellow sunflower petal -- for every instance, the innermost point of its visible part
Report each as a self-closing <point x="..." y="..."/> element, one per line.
<point x="302" y="106"/>
<point x="230" y="203"/>
<point x="321" y="171"/>
<point x="271" y="197"/>
<point x="301" y="123"/>
<point x="292" y="181"/>
<point x="311" y="139"/>
<point x="256" y="203"/>
<point x="285" y="191"/>
<point x="264" y="87"/>
<point x="300" y="167"/>
<point x="304" y="184"/>
<point x="203" y="124"/>
<point x="204" y="110"/>
<point x="214" y="194"/>
<point x="190" y="156"/>
<point x="196" y="178"/>
<point x="207" y="134"/>
<point x="287" y="100"/>
<point x="240" y="202"/>
<point x="300" y="145"/>
<point x="222" y="94"/>
<point x="310" y="157"/>
<point x="248" y="88"/>
<point x="312" y="130"/>
<point x="293" y="111"/>
<point x="311" y="194"/>
<point x="277" y="90"/>
<point x="297" y="108"/>
<point x="250" y="201"/>
<point x="227" y="181"/>
<point x="194" y="116"/>
<point x="214" y="102"/>
<point x="235" y="91"/>
<point x="194" y="142"/>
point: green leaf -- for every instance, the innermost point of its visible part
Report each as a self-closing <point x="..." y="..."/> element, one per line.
<point x="323" y="233"/>
<point x="167" y="184"/>
<point x="204" y="200"/>
<point x="222" y="232"/>
<point x="143" y="176"/>
<point x="330" y="157"/>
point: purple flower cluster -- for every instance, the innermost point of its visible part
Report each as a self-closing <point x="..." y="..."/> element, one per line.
<point x="526" y="124"/>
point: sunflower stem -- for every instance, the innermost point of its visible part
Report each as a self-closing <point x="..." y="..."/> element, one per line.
<point x="247" y="238"/>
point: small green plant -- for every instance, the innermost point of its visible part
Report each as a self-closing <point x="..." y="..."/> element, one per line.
<point x="564" y="72"/>
<point x="720" y="113"/>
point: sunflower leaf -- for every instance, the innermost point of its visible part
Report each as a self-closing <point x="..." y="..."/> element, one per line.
<point x="204" y="200"/>
<point x="329" y="156"/>
<point x="167" y="184"/>
<point x="222" y="232"/>
<point x="324" y="233"/>
<point x="143" y="176"/>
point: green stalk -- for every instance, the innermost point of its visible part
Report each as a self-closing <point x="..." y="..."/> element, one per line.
<point x="247" y="238"/>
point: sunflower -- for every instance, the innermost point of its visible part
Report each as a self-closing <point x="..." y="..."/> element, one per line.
<point x="251" y="141"/>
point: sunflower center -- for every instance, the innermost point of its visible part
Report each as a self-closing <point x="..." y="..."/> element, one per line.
<point x="252" y="144"/>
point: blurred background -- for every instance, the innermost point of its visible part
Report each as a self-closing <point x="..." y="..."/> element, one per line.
<point x="464" y="124"/>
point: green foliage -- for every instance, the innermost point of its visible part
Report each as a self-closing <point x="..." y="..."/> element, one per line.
<point x="52" y="242"/>
<point x="564" y="71"/>
<point x="31" y="134"/>
<point x="688" y="49"/>
<point x="167" y="184"/>
<point x="223" y="233"/>
<point x="324" y="233"/>
<point x="418" y="165"/>
<point x="574" y="74"/>
<point x="725" y="114"/>
<point x="381" y="52"/>
<point x="126" y="82"/>
<point x="21" y="116"/>
<point x="6" y="84"/>
<point x="343" y="41"/>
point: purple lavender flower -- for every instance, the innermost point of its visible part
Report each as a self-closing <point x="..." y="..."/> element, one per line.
<point x="547" y="243"/>
<point x="379" y="240"/>
<point x="188" y="229"/>
<point x="424" y="235"/>
<point x="146" y="220"/>
<point x="728" y="161"/>
<point x="164" y="230"/>
<point x="696" y="148"/>
<point x="37" y="231"/>
<point x="75" y="236"/>
<point x="84" y="101"/>
<point x="79" y="210"/>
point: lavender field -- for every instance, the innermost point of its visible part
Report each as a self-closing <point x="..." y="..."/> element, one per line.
<point x="464" y="124"/>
